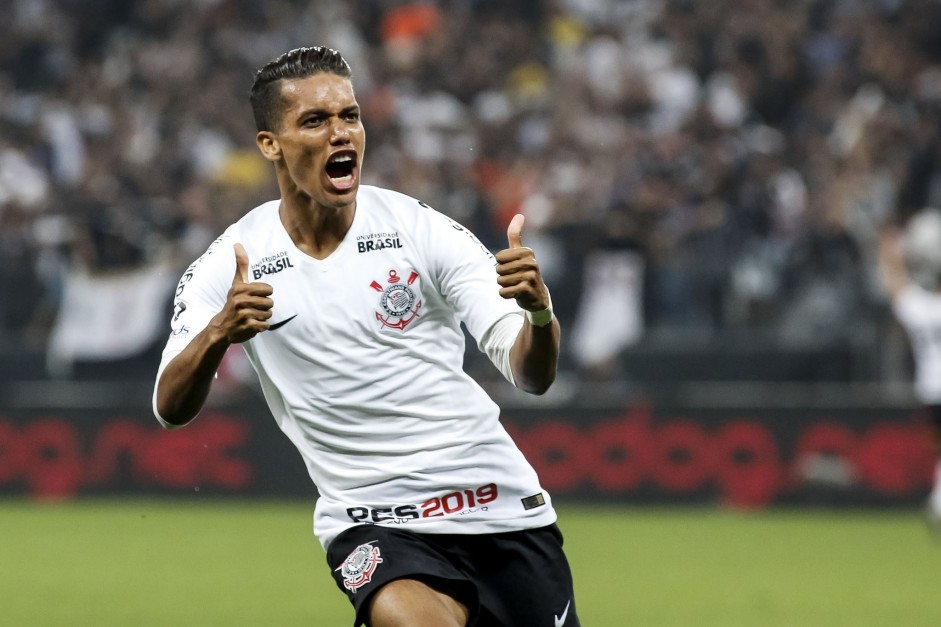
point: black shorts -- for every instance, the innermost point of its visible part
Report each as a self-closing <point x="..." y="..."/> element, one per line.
<point x="504" y="579"/>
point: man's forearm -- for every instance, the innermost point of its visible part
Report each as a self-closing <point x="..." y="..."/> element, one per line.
<point x="534" y="357"/>
<point x="185" y="383"/>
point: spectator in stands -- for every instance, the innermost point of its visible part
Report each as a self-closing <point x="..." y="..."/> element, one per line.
<point x="911" y="272"/>
<point x="755" y="115"/>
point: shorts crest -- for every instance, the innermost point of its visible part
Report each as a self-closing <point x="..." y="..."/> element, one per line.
<point x="358" y="568"/>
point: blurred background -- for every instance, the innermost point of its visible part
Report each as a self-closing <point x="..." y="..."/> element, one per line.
<point x="705" y="186"/>
<point x="704" y="182"/>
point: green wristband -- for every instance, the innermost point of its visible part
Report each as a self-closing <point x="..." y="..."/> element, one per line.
<point x="540" y="318"/>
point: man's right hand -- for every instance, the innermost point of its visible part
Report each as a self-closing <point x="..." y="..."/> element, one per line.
<point x="247" y="307"/>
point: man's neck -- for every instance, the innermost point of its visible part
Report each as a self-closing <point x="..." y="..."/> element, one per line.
<point x="315" y="230"/>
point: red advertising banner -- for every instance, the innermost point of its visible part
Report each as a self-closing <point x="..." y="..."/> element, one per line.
<point x="639" y="452"/>
<point x="741" y="458"/>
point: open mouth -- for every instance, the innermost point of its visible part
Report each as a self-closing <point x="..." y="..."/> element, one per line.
<point x="341" y="169"/>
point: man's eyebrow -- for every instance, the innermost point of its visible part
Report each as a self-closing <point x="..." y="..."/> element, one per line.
<point x="304" y="113"/>
<point x="321" y="112"/>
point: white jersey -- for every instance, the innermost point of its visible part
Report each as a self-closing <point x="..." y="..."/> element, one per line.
<point x="919" y="312"/>
<point x="362" y="367"/>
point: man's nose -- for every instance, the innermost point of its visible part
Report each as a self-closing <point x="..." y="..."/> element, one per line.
<point x="339" y="132"/>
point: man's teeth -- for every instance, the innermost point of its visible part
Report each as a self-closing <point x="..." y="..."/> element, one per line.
<point x="341" y="167"/>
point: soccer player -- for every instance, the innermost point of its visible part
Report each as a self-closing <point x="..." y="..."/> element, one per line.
<point x="348" y="301"/>
<point x="911" y="270"/>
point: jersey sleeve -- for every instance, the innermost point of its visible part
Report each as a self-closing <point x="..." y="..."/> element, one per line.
<point x="200" y="295"/>
<point x="467" y="278"/>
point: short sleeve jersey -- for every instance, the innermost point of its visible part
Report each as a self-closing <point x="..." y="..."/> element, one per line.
<point x="919" y="312"/>
<point x="362" y="367"/>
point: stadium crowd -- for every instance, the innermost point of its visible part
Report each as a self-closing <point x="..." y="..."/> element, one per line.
<point x="715" y="170"/>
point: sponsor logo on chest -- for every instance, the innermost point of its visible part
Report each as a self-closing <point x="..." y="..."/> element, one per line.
<point x="378" y="241"/>
<point x="271" y="264"/>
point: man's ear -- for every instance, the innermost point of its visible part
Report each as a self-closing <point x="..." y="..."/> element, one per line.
<point x="269" y="145"/>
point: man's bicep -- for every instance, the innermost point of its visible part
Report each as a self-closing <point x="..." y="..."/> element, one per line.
<point x="467" y="278"/>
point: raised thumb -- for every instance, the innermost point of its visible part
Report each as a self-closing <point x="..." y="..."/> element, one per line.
<point x="241" y="264"/>
<point x="514" y="232"/>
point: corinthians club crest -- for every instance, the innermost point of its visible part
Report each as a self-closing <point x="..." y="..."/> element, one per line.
<point x="357" y="569"/>
<point x="400" y="300"/>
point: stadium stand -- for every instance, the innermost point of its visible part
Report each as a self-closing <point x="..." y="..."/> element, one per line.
<point x="704" y="183"/>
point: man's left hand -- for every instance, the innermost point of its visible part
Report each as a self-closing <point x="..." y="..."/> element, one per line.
<point x="518" y="273"/>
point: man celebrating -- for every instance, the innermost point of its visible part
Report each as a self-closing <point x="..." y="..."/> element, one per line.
<point x="348" y="300"/>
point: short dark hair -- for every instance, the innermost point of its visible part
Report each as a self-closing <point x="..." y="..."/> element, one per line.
<point x="266" y="99"/>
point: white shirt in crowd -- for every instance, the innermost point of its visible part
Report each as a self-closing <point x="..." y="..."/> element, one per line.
<point x="919" y="312"/>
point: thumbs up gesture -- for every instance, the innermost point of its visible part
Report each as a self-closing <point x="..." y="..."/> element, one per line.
<point x="518" y="273"/>
<point x="241" y="264"/>
<point x="247" y="306"/>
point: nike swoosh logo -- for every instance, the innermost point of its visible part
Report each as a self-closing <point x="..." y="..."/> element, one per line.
<point x="278" y="325"/>
<point x="560" y="620"/>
